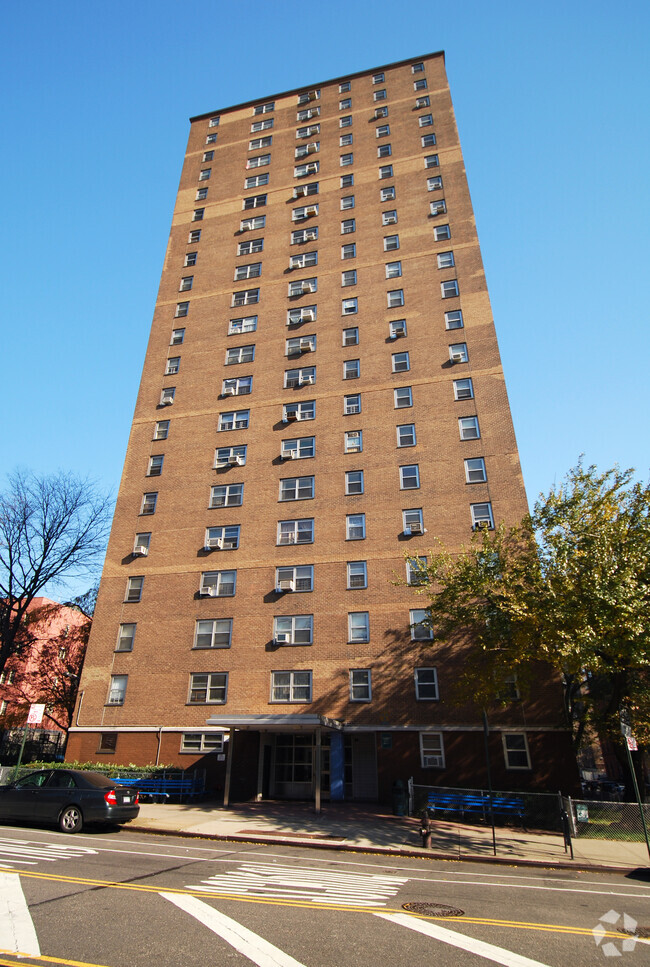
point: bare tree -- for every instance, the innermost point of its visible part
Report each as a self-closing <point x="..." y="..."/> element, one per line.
<point x="52" y="528"/>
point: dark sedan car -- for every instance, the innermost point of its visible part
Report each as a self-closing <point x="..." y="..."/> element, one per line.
<point x="69" y="798"/>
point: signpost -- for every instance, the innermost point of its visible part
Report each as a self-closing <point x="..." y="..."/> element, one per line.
<point x="34" y="717"/>
<point x="630" y="747"/>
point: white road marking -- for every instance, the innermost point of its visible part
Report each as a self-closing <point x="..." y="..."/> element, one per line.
<point x="260" y="951"/>
<point x="27" y="852"/>
<point x="301" y="883"/>
<point x="497" y="954"/>
<point x="17" y="932"/>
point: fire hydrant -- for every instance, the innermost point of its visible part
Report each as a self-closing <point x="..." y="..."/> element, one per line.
<point x="425" y="829"/>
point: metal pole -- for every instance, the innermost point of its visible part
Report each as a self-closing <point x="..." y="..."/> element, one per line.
<point x="317" y="754"/>
<point x="20" y="754"/>
<point x="638" y="797"/>
<point x="486" y="733"/>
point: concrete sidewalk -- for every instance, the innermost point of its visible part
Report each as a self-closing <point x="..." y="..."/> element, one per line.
<point x="355" y="827"/>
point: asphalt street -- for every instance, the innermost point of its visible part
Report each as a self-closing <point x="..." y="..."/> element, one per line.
<point x="111" y="898"/>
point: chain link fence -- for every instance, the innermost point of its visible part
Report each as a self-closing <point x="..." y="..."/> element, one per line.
<point x="540" y="810"/>
<point x="607" y="820"/>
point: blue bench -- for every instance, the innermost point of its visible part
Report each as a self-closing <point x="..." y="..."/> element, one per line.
<point x="472" y="803"/>
<point x="163" y="787"/>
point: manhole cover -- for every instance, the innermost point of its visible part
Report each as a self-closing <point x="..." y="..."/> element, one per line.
<point x="639" y="932"/>
<point x="433" y="909"/>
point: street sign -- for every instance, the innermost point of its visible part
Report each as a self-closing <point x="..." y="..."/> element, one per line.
<point x="582" y="814"/>
<point x="36" y="713"/>
<point x="631" y="743"/>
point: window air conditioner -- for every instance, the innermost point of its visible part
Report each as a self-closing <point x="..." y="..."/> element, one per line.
<point x="307" y="315"/>
<point x="457" y="357"/>
<point x="291" y="415"/>
<point x="433" y="760"/>
<point x="208" y="592"/>
<point x="310" y="235"/>
<point x="311" y="210"/>
<point x="408" y="530"/>
<point x="229" y="391"/>
<point x="233" y="460"/>
<point x="480" y="524"/>
<point x="311" y="96"/>
<point x="306" y="287"/>
<point x="140" y="550"/>
<point x="312" y="147"/>
<point x="304" y="380"/>
<point x="312" y="168"/>
<point x="299" y="192"/>
<point x="282" y="638"/>
<point x="167" y="401"/>
<point x="416" y="528"/>
<point x="285" y="586"/>
<point x="305" y="345"/>
<point x="391" y="220"/>
<point x="214" y="544"/>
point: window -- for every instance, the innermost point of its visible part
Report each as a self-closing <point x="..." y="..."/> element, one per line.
<point x="299" y="377"/>
<point x="257" y="181"/>
<point x="265" y="125"/>
<point x="393" y="270"/>
<point x="298" y="449"/>
<point x="308" y="131"/>
<point x="293" y="629"/>
<point x="250" y="247"/>
<point x="307" y="113"/>
<point x="107" y="741"/>
<point x="421" y="102"/>
<point x="218" y="584"/>
<point x="360" y="688"/>
<point x="134" y="587"/>
<point x="300" y="344"/>
<point x="420" y="84"/>
<point x="208" y="689"/>
<point x="257" y="143"/>
<point x="449" y="289"/>
<point x="214" y="122"/>
<point x="349" y="251"/>
<point x="345" y="121"/>
<point x="264" y="108"/>
<point x="355" y="527"/>
<point x="387" y="194"/>
<point x="420" y="631"/>
<point x="482" y="516"/>
<point x="458" y="352"/>
<point x="347" y="202"/>
<point x="475" y="470"/>
<point x="344" y="86"/>
<point x="346" y="181"/>
<point x="397" y="328"/>
<point x="434" y="184"/>
<point x="190" y="258"/>
<point x="296" y="531"/>
<point x="194" y="236"/>
<point x="227" y="495"/>
<point x="413" y="522"/>
<point x="172" y="366"/>
<point x="391" y="243"/>
<point x="353" y="440"/>
<point x="353" y="482"/>
<point x="515" y="750"/>
<point x="357" y="575"/>
<point x="161" y="430"/>
<point x="432" y="753"/>
<point x="431" y="161"/>
<point x="381" y="112"/>
<point x="440" y="234"/>
<point x="417" y="68"/>
<point x="211" y="139"/>
<point x="182" y="309"/>
<point x="346" y="159"/>
<point x="155" y="465"/>
<point x="302" y="287"/>
<point x="201" y="194"/>
<point x="148" y="505"/>
<point x="344" y="140"/>
<point x="352" y="404"/>
<point x="301" y="171"/>
<point x="117" y="690"/>
<point x="255" y="201"/>
<point x="240" y="386"/>
<point x="222" y="538"/>
<point x="306" y="149"/>
<point x="250" y="224"/>
<point x="409" y="477"/>
<point x="378" y="78"/>
<point x="428" y="140"/>
<point x="425" y="120"/>
<point x="305" y="211"/>
<point x="213" y="633"/>
<point x="296" y="579"/>
<point x="389" y="218"/>
<point x="297" y="488"/>
<point x="406" y="435"/>
<point x="403" y="397"/>
<point x="258" y="161"/>
<point x="230" y="457"/>
<point x="382" y="131"/>
<point x="468" y="428"/>
<point x="384" y="151"/>
<point x="177" y="337"/>
<point x="386" y="171"/>
<point x="454" y="319"/>
<point x="438" y="207"/>
<point x="351" y="369"/>
<point x="299" y="411"/>
<point x="379" y="95"/>
<point x="349" y="307"/>
<point x="201" y="742"/>
<point x="310" y="188"/>
<point x="358" y="626"/>
<point x="463" y="389"/>
<point x="350" y="337"/>
<point x="426" y="684"/>
<point x="345" y="104"/>
<point x="400" y="362"/>
<point x="246" y="297"/>
<point x="244" y="324"/>
<point x="416" y="571"/>
<point x="303" y="260"/>
<point x="445" y="260"/>
<point x="304" y="235"/>
<point x="292" y="687"/>
<point x="348" y="226"/>
<point x="125" y="637"/>
<point x="235" y="420"/>
<point x="197" y="214"/>
<point x="204" y="175"/>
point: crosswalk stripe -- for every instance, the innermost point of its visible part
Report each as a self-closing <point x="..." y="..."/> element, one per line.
<point x="16" y="927"/>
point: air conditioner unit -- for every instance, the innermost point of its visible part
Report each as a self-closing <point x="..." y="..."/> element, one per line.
<point x="140" y="550"/>
<point x="416" y="528"/>
<point x="299" y="192"/>
<point x="310" y="235"/>
<point x="208" y="592"/>
<point x="457" y="357"/>
<point x="291" y="415"/>
<point x="306" y="345"/>
<point x="283" y="638"/>
<point x="312" y="147"/>
<point x="391" y="220"/>
<point x="233" y="460"/>
<point x="292" y="454"/>
<point x="311" y="210"/>
<point x="307" y="315"/>
<point x="311" y="96"/>
<point x="306" y="287"/>
<point x="433" y="760"/>
<point x="167" y="401"/>
<point x="304" y="380"/>
<point x="353" y="449"/>
<point x="312" y="168"/>
<point x="481" y="524"/>
<point x="229" y="391"/>
<point x="285" y="586"/>
<point x="408" y="531"/>
<point x="214" y="544"/>
<point x="393" y="335"/>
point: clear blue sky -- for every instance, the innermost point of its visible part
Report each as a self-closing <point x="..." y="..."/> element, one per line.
<point x="552" y="106"/>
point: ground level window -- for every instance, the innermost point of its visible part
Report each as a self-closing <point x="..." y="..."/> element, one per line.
<point x="107" y="742"/>
<point x="432" y="753"/>
<point x="515" y="750"/>
<point x="198" y="742"/>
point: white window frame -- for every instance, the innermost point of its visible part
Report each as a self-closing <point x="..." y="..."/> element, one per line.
<point x="161" y="430"/>
<point x="458" y="352"/>
<point x="233" y="420"/>
<point x="351" y="369"/>
<point x="218" y="630"/>
<point x="353" y="441"/>
<point x="357" y="575"/>
<point x="216" y="683"/>
<point x="201" y="743"/>
<point x="353" y="482"/>
<point x="409" y="472"/>
<point x="432" y="750"/>
<point x="126" y="636"/>
<point x="230" y="456"/>
<point x="304" y="410"/>
<point x="148" y="505"/>
<point x="406" y="436"/>
<point x="349" y="307"/>
<point x="245" y="297"/>
<point x="224" y="538"/>
<point x="468" y="428"/>
<point x="296" y="488"/>
<point x="298" y="629"/>
<point x="454" y="319"/>
<point x="413" y="521"/>
<point x="252" y="224"/>
<point x="117" y="690"/>
<point x="355" y="527"/>
<point x="419" y="631"/>
<point x="399" y="394"/>
<point x="508" y="751"/>
<point x="226" y="495"/>
<point x="300" y="527"/>
<point x="475" y="471"/>
<point x="240" y="354"/>
<point x="482" y="515"/>
<point x="237" y="386"/>
<point x="360" y="685"/>
<point x="295" y="685"/>
<point x="351" y="404"/>
<point x="445" y="260"/>
<point x="358" y="627"/>
<point x="300" y="448"/>
<point x="242" y="324"/>
<point x="463" y="389"/>
<point x="251" y="271"/>
<point x="222" y="581"/>
<point x="295" y="575"/>
<point x="449" y="289"/>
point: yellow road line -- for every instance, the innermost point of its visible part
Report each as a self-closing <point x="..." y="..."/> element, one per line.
<point x="28" y="960"/>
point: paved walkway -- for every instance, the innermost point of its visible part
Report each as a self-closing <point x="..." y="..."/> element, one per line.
<point x="351" y="826"/>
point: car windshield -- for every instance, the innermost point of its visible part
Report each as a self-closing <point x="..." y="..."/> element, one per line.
<point x="35" y="779"/>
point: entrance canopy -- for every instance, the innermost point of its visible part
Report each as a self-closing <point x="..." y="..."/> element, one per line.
<point x="276" y="723"/>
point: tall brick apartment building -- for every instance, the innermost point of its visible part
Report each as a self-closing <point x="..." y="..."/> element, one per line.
<point x="322" y="393"/>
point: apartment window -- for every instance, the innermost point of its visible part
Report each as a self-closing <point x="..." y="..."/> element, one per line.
<point x="190" y="259"/>
<point x="134" y="587"/>
<point x="240" y="386"/>
<point x="344" y="140"/>
<point x="379" y="95"/>
<point x="300" y="344"/>
<point x="348" y="226"/>
<point x="296" y="531"/>
<point x="218" y="584"/>
<point x="310" y="188"/>
<point x="296" y="579"/>
<point x="386" y="171"/>
<point x="358" y="626"/>
<point x="297" y="488"/>
<point x="308" y="131"/>
<point x="148" y="505"/>
<point x="257" y="181"/>
<point x="246" y="297"/>
<point x="304" y="260"/>
<point x="161" y="430"/>
<point x="345" y="104"/>
<point x="227" y="495"/>
<point x="291" y="687"/>
<point x="347" y="202"/>
<point x="515" y="750"/>
<point x="244" y="324"/>
<point x="425" y="120"/>
<point x="182" y="309"/>
<point x="346" y="159"/>
<point x="357" y="575"/>
<point x="344" y="87"/>
<point x="393" y="270"/>
<point x="302" y="287"/>
<point x="258" y="143"/>
<point x="264" y="125"/>
<point x="197" y="214"/>
<point x="416" y="571"/>
<point x="186" y="283"/>
<point x="400" y="362"/>
<point x="255" y="201"/>
<point x="155" y="466"/>
<point x="420" y="631"/>
<point x="475" y="470"/>
<point x="463" y="389"/>
<point x="117" y="690"/>
<point x="432" y="753"/>
<point x="397" y="328"/>
<point x="305" y="211"/>
<point x="353" y="441"/>
<point x="353" y="482"/>
<point x="125" y="637"/>
<point x="349" y="251"/>
<point x="351" y="369"/>
<point x="194" y="236"/>
<point x="406" y="435"/>
<point x="213" y="633"/>
<point x="349" y="307"/>
<point x="440" y="234"/>
<point x="387" y="194"/>
<point x="264" y="108"/>
<point x="382" y="131"/>
<point x="445" y="260"/>
<point x="304" y="235"/>
<point x="352" y="404"/>
<point x="389" y="218"/>
<point x="420" y="84"/>
<point x="350" y="337"/>
<point x="409" y="477"/>
<point x="431" y="161"/>
<point x="449" y="289"/>
<point x="360" y="687"/>
<point x="355" y="527"/>
<point x="346" y="181"/>
<point x="391" y="243"/>
<point x="299" y="411"/>
<point x="200" y="743"/>
<point x="454" y="319"/>
<point x="438" y="207"/>
<point x="252" y="224"/>
<point x="208" y="688"/>
<point x="230" y="457"/>
<point x="403" y="397"/>
<point x="311" y="168"/>
<point x="211" y="139"/>
<point x="434" y="184"/>
<point x="412" y="521"/>
<point x="307" y="113"/>
<point x="299" y="449"/>
<point x="426" y="684"/>
<point x="306" y="149"/>
<point x="107" y="740"/>
<point x="421" y="102"/>
<point x="293" y="629"/>
<point x="222" y="538"/>
<point x="258" y="161"/>
<point x="381" y="112"/>
<point x="173" y="365"/>
<point x="458" y="352"/>
<point x="378" y="78"/>
<point x="305" y="314"/>
<point x="468" y="428"/>
<point x="428" y="140"/>
<point x="214" y="122"/>
<point x="250" y="247"/>
<point x="384" y="151"/>
<point x="234" y="420"/>
<point x="346" y="121"/>
<point x="205" y="173"/>
<point x="482" y="516"/>
<point x="201" y="194"/>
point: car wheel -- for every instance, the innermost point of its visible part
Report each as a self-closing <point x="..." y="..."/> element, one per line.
<point x="71" y="820"/>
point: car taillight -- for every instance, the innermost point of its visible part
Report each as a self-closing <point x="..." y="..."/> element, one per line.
<point x="110" y="797"/>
